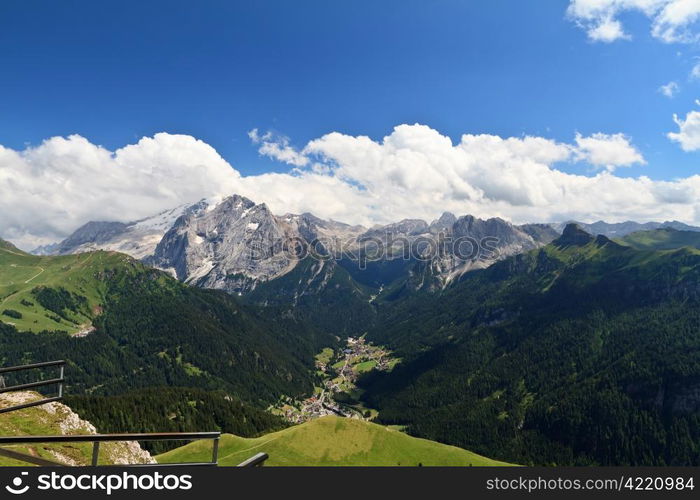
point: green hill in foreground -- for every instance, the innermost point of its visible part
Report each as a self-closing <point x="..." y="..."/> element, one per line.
<point x="332" y="441"/>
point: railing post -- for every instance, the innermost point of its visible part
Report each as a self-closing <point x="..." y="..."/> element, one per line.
<point x="215" y="452"/>
<point x="95" y="452"/>
<point x="60" y="386"/>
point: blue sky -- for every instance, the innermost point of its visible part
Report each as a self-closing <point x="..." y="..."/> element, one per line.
<point x="133" y="102"/>
<point x="116" y="71"/>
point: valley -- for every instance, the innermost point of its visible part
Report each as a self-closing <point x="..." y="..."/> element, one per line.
<point x="337" y="393"/>
<point x="351" y="234"/>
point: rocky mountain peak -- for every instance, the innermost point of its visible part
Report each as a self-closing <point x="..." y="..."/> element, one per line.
<point x="230" y="247"/>
<point x="444" y="223"/>
<point x="408" y="227"/>
<point x="92" y="232"/>
<point x="573" y="235"/>
<point x="235" y="205"/>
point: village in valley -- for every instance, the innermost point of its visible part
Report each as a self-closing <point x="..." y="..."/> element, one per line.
<point x="338" y="393"/>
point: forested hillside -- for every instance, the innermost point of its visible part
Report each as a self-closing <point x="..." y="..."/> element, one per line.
<point x="319" y="293"/>
<point x="151" y="330"/>
<point x="582" y="352"/>
<point x="174" y="409"/>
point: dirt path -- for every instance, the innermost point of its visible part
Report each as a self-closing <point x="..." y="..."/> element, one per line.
<point x="5" y="299"/>
<point x="36" y="275"/>
<point x="265" y="443"/>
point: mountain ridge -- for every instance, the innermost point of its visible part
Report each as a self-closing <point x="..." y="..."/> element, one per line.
<point x="147" y="328"/>
<point x="236" y="244"/>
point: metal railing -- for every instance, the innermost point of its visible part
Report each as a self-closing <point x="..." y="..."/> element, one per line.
<point x="255" y="461"/>
<point x="33" y="385"/>
<point x="95" y="439"/>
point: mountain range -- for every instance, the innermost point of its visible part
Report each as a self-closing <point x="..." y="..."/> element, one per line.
<point x="319" y="270"/>
<point x="559" y="346"/>
<point x="236" y="244"/>
<point x="621" y="229"/>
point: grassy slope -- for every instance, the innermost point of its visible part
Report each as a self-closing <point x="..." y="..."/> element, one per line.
<point x="332" y="441"/>
<point x="20" y="273"/>
<point x="661" y="239"/>
<point x="599" y="260"/>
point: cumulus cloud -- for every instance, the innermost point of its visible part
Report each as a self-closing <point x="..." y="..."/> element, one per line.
<point x="672" y="21"/>
<point x="607" y="30"/>
<point x="49" y="190"/>
<point x="608" y="151"/>
<point x="669" y="90"/>
<point x="416" y="171"/>
<point x="675" y="21"/>
<point x="46" y="192"/>
<point x="277" y="147"/>
<point x="688" y="135"/>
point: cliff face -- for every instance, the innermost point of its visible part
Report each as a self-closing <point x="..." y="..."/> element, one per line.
<point x="239" y="244"/>
<point x="230" y="247"/>
<point x="58" y="419"/>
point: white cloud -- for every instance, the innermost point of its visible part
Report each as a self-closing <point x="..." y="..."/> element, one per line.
<point x="670" y="89"/>
<point x="688" y="135"/>
<point x="277" y="147"/>
<point x="48" y="191"/>
<point x="416" y="171"/>
<point x="672" y="21"/>
<point x="607" y="30"/>
<point x="608" y="151"/>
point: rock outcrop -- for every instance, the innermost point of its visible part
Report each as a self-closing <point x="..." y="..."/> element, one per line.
<point x="58" y="419"/>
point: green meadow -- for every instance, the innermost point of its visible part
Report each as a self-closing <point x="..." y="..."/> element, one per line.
<point x="332" y="441"/>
